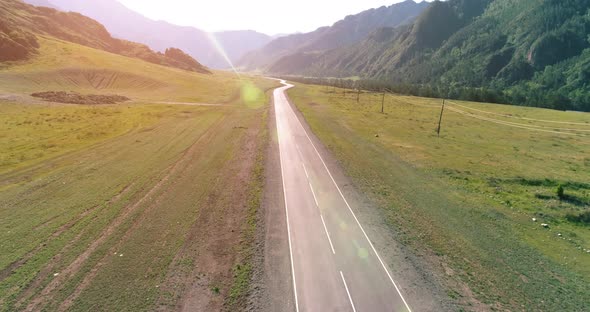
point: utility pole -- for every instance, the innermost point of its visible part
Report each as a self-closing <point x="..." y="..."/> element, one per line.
<point x="440" y="119"/>
<point x="383" y="103"/>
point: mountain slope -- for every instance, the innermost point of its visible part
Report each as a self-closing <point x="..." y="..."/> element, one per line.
<point x="236" y="43"/>
<point x="524" y="52"/>
<point x="43" y="3"/>
<point x="21" y="22"/>
<point x="127" y="24"/>
<point x="350" y="30"/>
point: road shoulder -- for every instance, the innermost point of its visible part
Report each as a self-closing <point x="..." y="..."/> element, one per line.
<point x="274" y="291"/>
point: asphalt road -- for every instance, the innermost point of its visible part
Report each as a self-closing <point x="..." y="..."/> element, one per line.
<point x="334" y="265"/>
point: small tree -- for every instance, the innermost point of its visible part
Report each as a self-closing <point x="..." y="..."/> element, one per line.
<point x="560" y="192"/>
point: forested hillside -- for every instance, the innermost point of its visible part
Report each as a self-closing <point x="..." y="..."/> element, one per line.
<point x="527" y="52"/>
<point x="350" y="30"/>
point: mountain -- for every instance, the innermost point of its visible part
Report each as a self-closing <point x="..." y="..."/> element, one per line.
<point x="20" y="24"/>
<point x="127" y="24"/>
<point x="236" y="43"/>
<point x="351" y="29"/>
<point x="527" y="52"/>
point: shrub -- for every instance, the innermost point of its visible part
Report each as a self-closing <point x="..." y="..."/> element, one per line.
<point x="560" y="192"/>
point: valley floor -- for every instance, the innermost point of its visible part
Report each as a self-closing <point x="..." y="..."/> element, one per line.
<point x="149" y="204"/>
<point x="169" y="201"/>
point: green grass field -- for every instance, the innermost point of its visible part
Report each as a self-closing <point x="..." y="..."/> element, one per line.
<point x="468" y="197"/>
<point x="101" y="206"/>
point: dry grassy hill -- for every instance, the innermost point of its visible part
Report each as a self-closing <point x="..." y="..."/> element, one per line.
<point x="20" y="23"/>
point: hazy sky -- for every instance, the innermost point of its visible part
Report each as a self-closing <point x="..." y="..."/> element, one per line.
<point x="267" y="16"/>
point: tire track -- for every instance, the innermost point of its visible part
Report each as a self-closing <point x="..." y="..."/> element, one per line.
<point x="76" y="265"/>
<point x="511" y="124"/>
<point x="522" y="118"/>
<point x="7" y="271"/>
<point x="181" y="166"/>
<point x="49" y="267"/>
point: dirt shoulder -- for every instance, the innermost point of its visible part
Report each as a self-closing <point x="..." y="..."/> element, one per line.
<point x="211" y="271"/>
<point x="273" y="277"/>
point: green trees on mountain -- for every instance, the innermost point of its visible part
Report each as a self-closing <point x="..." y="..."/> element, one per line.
<point x="526" y="52"/>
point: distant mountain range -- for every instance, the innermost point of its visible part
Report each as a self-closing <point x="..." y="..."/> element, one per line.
<point x="350" y="30"/>
<point x="127" y="24"/>
<point x="526" y="52"/>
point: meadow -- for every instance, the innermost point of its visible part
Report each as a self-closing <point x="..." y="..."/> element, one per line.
<point x="123" y="207"/>
<point x="471" y="201"/>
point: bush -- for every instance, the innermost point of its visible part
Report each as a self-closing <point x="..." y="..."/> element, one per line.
<point x="560" y="192"/>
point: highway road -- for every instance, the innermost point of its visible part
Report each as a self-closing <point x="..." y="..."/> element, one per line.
<point x="334" y="265"/>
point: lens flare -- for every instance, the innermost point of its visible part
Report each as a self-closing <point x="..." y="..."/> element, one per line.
<point x="221" y="51"/>
<point x="251" y="95"/>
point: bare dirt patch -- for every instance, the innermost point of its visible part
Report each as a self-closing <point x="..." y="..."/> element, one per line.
<point x="77" y="98"/>
<point x="202" y="276"/>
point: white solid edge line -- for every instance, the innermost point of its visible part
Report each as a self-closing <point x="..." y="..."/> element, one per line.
<point x="354" y="215"/>
<point x="347" y="292"/>
<point x="328" y="234"/>
<point x="287" y="216"/>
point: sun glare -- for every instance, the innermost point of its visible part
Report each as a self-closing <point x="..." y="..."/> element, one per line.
<point x="221" y="50"/>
